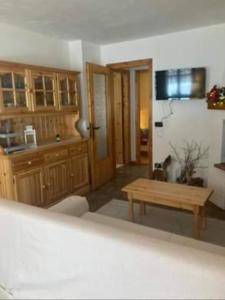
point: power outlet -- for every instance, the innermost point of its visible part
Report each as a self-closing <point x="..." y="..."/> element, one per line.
<point x="158" y="124"/>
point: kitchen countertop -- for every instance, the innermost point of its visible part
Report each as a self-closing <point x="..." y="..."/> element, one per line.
<point x="45" y="146"/>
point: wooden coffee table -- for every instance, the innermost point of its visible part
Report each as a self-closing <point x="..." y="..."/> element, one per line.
<point x="169" y="194"/>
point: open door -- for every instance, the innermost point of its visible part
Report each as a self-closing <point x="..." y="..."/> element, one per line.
<point x="101" y="124"/>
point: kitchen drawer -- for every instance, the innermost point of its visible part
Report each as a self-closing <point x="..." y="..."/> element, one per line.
<point x="27" y="162"/>
<point x="78" y="149"/>
<point x="56" y="155"/>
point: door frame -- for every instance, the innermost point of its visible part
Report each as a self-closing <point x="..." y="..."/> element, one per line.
<point x="148" y="64"/>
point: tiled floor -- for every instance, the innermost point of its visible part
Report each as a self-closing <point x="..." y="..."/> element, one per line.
<point x="125" y="175"/>
<point x="168" y="220"/>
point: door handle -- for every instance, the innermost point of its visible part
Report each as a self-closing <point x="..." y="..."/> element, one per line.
<point x="92" y="126"/>
<point x="92" y="129"/>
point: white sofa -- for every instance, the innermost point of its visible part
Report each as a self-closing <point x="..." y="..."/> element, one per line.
<point x="44" y="254"/>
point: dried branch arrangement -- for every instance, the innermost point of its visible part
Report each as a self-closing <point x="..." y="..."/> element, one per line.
<point x="189" y="160"/>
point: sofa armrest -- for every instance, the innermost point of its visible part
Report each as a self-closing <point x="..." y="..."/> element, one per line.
<point x="73" y="206"/>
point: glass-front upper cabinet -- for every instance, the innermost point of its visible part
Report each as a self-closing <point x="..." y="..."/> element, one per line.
<point x="44" y="91"/>
<point x="14" y="94"/>
<point x="68" y="89"/>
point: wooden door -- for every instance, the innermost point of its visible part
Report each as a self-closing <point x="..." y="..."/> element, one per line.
<point x="78" y="172"/>
<point x="29" y="187"/>
<point x="101" y="124"/>
<point x="68" y="92"/>
<point x="43" y="91"/>
<point x="56" y="181"/>
<point x="14" y="95"/>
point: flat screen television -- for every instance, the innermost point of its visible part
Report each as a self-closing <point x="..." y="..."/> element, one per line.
<point x="181" y="84"/>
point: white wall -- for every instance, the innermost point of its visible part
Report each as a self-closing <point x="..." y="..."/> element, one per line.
<point x="91" y="54"/>
<point x="24" y="46"/>
<point x="82" y="52"/>
<point x="203" y="47"/>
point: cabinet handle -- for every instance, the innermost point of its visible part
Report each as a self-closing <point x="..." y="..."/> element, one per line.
<point x="72" y="175"/>
<point x="43" y="186"/>
<point x="29" y="162"/>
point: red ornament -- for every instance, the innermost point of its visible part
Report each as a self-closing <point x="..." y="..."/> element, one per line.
<point x="213" y="95"/>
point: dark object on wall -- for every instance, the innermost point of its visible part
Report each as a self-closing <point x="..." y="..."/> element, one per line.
<point x="158" y="124"/>
<point x="161" y="174"/>
<point x="181" y="84"/>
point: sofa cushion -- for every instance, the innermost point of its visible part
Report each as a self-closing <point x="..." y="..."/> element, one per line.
<point x="4" y="294"/>
<point x="72" y="206"/>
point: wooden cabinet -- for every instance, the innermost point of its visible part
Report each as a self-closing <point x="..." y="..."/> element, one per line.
<point x="68" y="87"/>
<point x="43" y="91"/>
<point x="56" y="181"/>
<point x="78" y="172"/>
<point x="14" y="97"/>
<point x="44" y="176"/>
<point x="27" y="88"/>
<point x="29" y="187"/>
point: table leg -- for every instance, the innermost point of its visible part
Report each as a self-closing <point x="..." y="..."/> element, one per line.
<point x="203" y="217"/>
<point x="131" y="208"/>
<point x="142" y="208"/>
<point x="196" y="225"/>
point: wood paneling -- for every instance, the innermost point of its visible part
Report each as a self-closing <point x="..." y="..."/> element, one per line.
<point x="121" y="100"/>
<point x="47" y="126"/>
<point x="126" y="116"/>
<point x="118" y="117"/>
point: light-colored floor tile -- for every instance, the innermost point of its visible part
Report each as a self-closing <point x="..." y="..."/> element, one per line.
<point x="174" y="221"/>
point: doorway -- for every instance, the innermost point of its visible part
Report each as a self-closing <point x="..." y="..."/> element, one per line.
<point x="143" y="120"/>
<point x="117" y="128"/>
<point x="132" y="104"/>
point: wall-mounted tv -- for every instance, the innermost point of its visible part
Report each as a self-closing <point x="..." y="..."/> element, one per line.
<point x="181" y="84"/>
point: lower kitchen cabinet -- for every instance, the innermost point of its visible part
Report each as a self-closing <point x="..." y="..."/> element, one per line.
<point x="56" y="181"/>
<point x="43" y="177"/>
<point x="78" y="172"/>
<point x="29" y="187"/>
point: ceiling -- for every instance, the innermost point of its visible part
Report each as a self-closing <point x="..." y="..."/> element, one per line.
<point x="109" y="21"/>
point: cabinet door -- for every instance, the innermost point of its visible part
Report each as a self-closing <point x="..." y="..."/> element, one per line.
<point x="56" y="181"/>
<point x="44" y="91"/>
<point x="29" y="187"/>
<point x="14" y="96"/>
<point x="68" y="92"/>
<point x="78" y="172"/>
